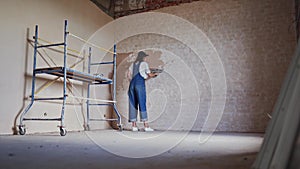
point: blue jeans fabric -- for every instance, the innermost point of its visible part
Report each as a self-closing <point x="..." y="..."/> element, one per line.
<point x="137" y="99"/>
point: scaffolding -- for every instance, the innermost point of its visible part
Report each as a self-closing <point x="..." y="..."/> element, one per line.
<point x="67" y="73"/>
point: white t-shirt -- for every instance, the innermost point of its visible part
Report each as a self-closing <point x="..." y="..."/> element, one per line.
<point x="143" y="70"/>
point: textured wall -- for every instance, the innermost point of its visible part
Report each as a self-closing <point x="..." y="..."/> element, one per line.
<point x="125" y="7"/>
<point x="255" y="41"/>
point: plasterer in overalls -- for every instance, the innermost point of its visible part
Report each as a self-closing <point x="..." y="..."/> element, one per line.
<point x="139" y="72"/>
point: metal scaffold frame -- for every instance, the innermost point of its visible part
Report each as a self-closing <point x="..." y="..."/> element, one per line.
<point x="66" y="73"/>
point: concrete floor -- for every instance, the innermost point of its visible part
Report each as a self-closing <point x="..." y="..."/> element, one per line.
<point x="94" y="149"/>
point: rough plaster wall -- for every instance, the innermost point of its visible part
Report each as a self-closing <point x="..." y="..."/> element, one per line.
<point x="121" y="5"/>
<point x="255" y="41"/>
<point x="18" y="19"/>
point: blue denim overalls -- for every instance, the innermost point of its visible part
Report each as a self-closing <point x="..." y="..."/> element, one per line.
<point x="137" y="95"/>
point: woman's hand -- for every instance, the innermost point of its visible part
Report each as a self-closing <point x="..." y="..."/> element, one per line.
<point x="152" y="75"/>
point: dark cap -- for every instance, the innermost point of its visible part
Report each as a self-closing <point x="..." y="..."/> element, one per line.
<point x="142" y="54"/>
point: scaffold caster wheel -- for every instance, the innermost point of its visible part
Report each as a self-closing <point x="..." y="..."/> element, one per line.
<point x="86" y="127"/>
<point x="120" y="127"/>
<point x="63" y="131"/>
<point x="22" y="130"/>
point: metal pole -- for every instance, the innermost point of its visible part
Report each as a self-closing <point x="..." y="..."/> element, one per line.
<point x="88" y="93"/>
<point x="115" y="72"/>
<point x="65" y="74"/>
<point x="33" y="75"/>
<point x="115" y="85"/>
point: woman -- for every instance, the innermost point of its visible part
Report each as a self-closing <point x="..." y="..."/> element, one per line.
<point x="138" y="72"/>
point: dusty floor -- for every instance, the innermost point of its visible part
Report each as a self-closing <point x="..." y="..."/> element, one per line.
<point x="112" y="149"/>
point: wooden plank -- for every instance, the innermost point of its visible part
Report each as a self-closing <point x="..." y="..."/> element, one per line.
<point x="72" y="74"/>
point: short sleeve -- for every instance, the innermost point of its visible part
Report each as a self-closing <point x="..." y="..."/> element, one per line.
<point x="144" y="70"/>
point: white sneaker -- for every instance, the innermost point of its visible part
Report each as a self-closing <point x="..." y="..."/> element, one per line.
<point x="148" y="129"/>
<point x="134" y="129"/>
